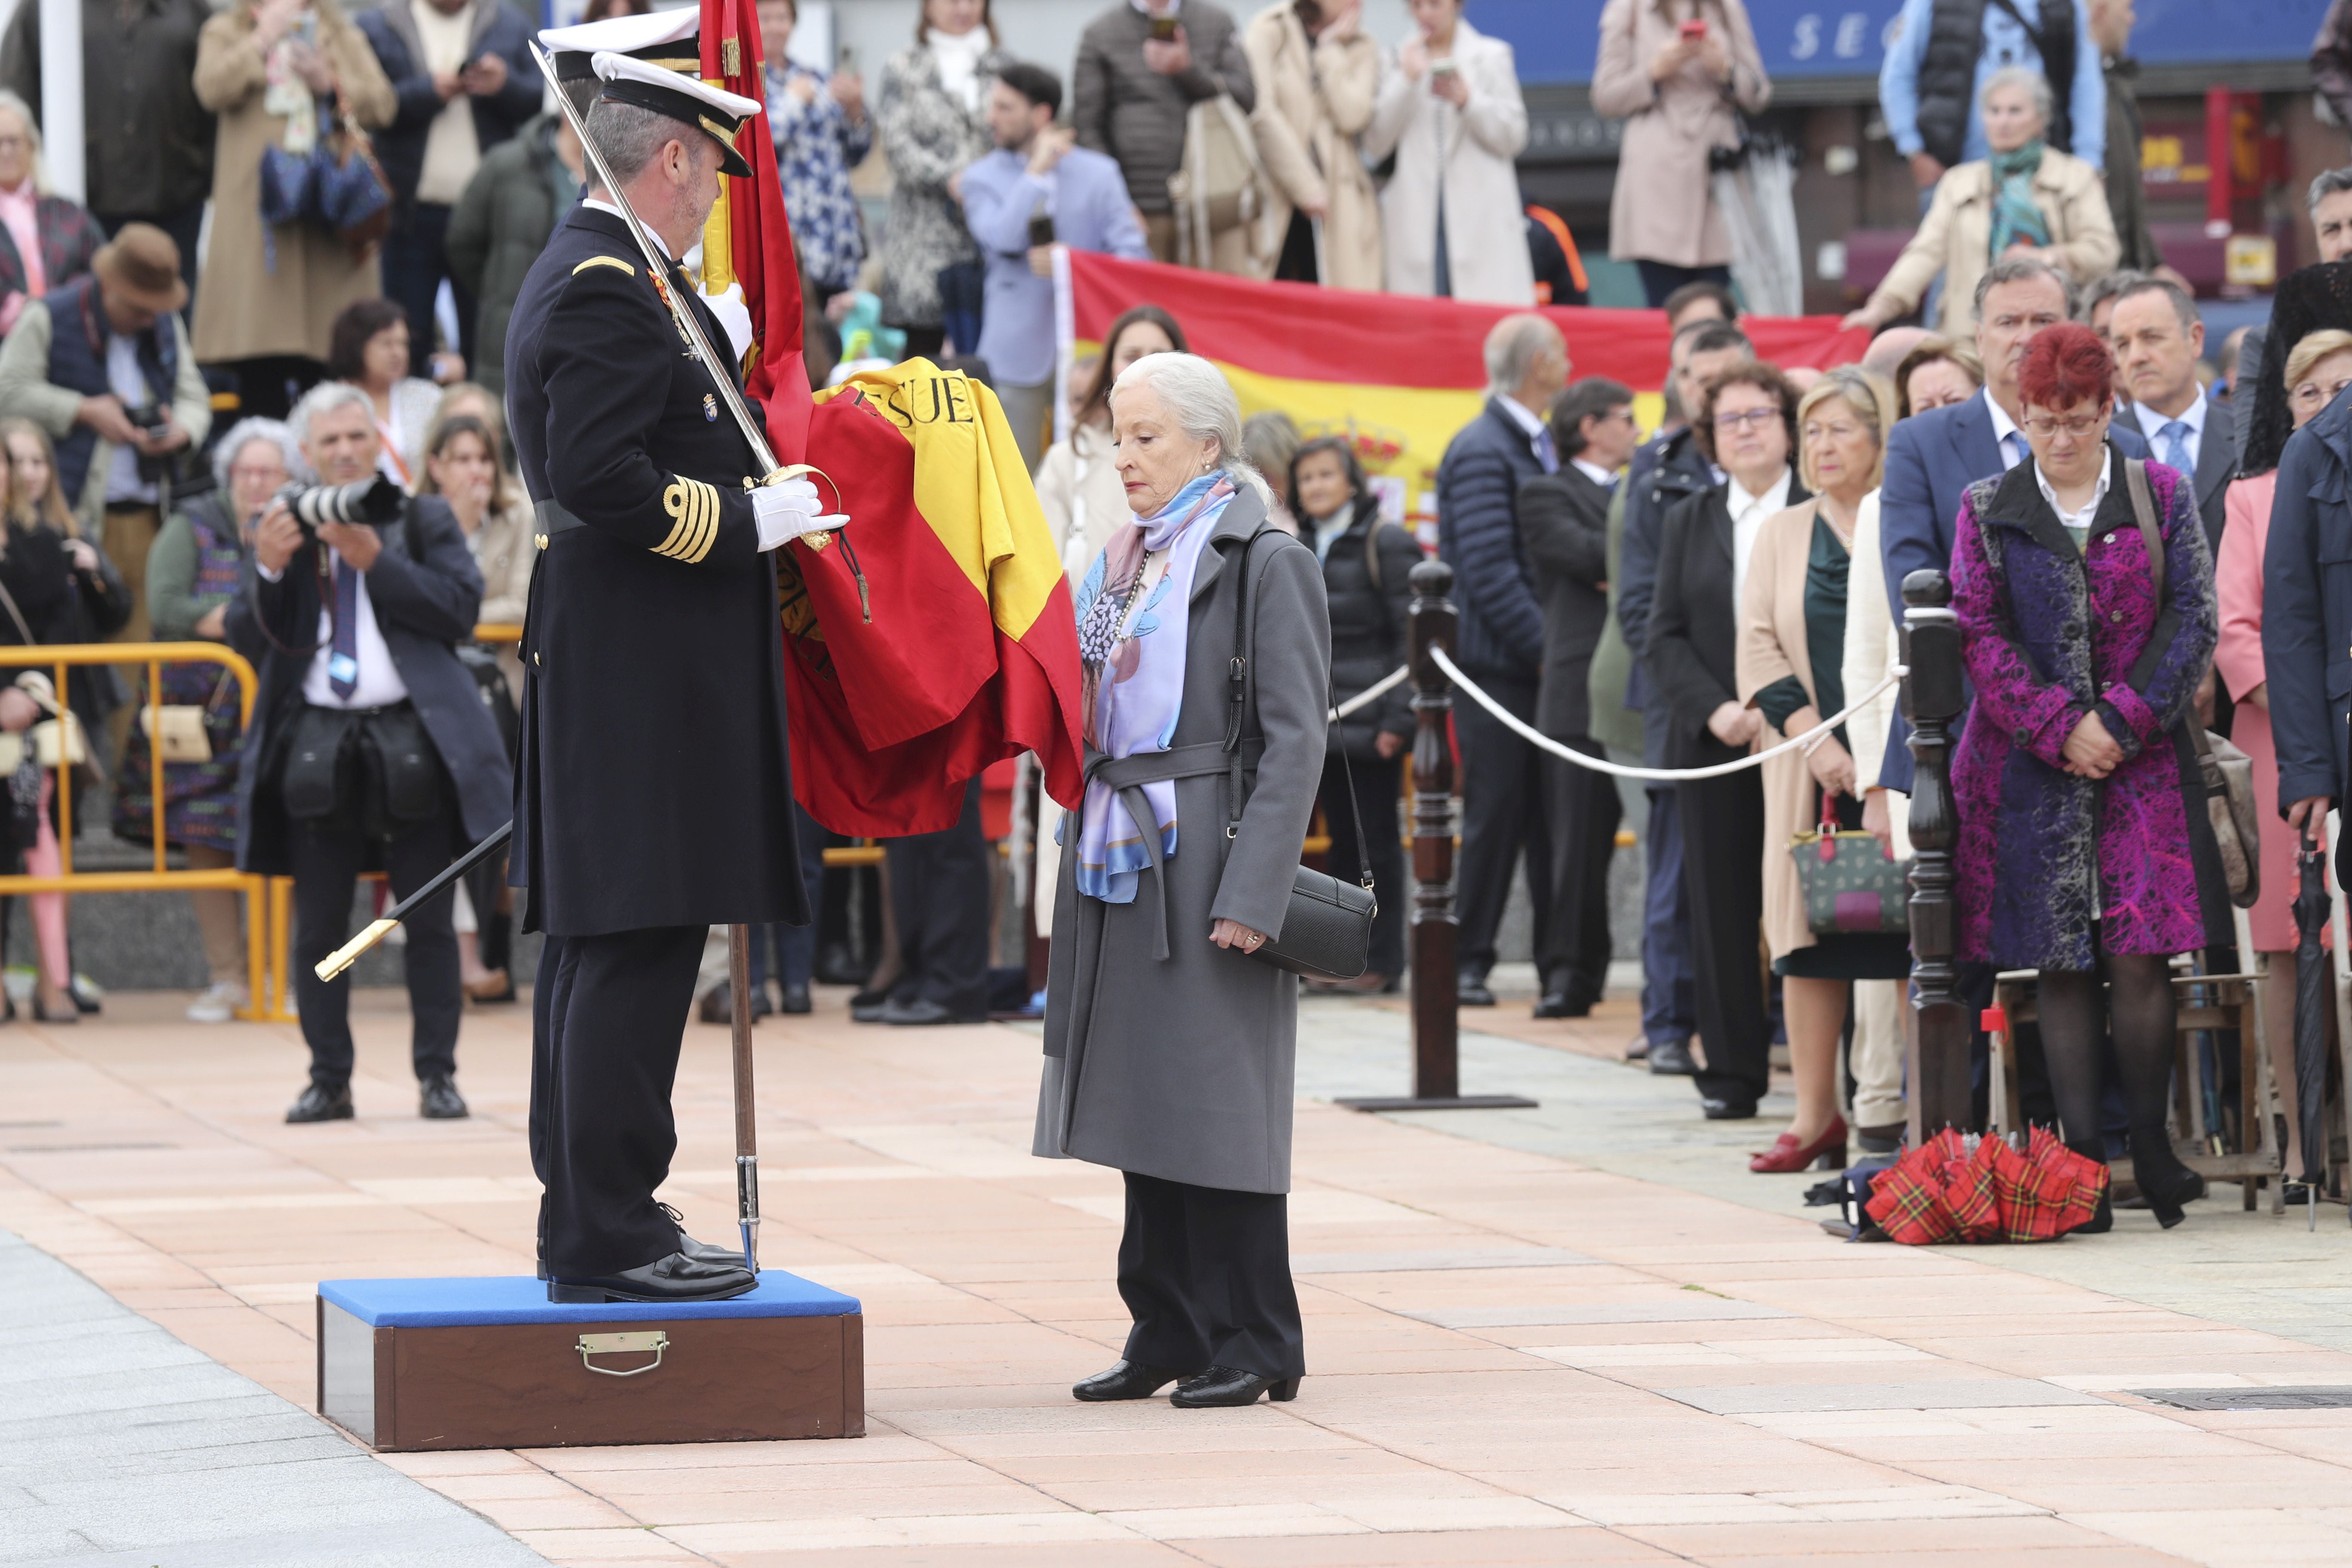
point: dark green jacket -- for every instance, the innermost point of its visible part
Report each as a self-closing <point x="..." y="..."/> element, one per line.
<point x="498" y="229"/>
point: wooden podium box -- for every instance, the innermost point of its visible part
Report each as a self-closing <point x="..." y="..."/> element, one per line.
<point x="492" y="1363"/>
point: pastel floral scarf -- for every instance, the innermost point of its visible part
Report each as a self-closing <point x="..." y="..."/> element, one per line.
<point x="1132" y="687"/>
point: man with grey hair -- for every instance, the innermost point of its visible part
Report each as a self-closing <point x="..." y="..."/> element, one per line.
<point x="369" y="740"/>
<point x="1500" y="643"/>
<point x="653" y="794"/>
<point x="2329" y="204"/>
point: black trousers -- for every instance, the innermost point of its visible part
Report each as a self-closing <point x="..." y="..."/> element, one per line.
<point x="1501" y="814"/>
<point x="1584" y="811"/>
<point x="1723" y="866"/>
<point x="328" y="855"/>
<point x="1375" y="801"/>
<point x="415" y="261"/>
<point x="1205" y="1273"/>
<point x="608" y="1015"/>
<point x="939" y="891"/>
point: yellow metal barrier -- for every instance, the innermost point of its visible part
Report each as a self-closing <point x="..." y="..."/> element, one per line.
<point x="260" y="909"/>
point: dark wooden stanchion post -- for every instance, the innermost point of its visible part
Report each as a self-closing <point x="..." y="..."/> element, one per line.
<point x="1934" y="696"/>
<point x="1436" y="1035"/>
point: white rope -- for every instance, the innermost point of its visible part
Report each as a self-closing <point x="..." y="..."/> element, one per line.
<point x="1387" y="683"/>
<point x="1806" y="741"/>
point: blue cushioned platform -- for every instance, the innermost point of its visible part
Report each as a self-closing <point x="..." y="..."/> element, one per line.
<point x="452" y="1304"/>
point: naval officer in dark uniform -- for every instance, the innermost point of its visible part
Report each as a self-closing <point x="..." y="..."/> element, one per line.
<point x="652" y="796"/>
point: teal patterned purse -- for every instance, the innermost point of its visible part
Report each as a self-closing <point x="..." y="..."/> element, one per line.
<point x="1853" y="886"/>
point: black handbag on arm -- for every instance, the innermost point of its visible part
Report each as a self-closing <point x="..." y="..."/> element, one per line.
<point x="1326" y="931"/>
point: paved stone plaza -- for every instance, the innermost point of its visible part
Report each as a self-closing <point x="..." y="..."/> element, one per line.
<point x="1579" y="1335"/>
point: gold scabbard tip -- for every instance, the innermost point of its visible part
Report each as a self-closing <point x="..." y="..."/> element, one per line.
<point x="344" y="957"/>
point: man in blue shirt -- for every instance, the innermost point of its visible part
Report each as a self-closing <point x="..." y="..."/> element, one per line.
<point x="1944" y="50"/>
<point x="1037" y="171"/>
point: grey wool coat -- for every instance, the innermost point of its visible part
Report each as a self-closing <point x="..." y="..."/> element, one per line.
<point x="1182" y="1067"/>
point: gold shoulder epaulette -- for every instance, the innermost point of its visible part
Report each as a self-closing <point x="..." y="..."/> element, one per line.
<point x="605" y="261"/>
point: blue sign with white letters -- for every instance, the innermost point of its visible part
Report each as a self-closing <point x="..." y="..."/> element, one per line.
<point x="1554" y="43"/>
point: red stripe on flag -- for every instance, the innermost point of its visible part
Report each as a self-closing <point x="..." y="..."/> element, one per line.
<point x="1311" y="333"/>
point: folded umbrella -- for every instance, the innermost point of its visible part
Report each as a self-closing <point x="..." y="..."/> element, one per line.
<point x="2311" y="910"/>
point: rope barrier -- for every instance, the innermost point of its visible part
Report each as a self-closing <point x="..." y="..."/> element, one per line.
<point x="1525" y="731"/>
<point x="1386" y="684"/>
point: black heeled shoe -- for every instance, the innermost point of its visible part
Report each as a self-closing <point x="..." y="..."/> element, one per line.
<point x="1124" y="1380"/>
<point x="2163" y="1180"/>
<point x="1227" y="1385"/>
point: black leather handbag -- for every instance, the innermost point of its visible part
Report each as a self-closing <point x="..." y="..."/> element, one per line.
<point x="1326" y="931"/>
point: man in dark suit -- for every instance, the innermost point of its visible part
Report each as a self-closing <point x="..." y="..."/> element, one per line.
<point x="2158" y="337"/>
<point x="1564" y="526"/>
<point x="1932" y="458"/>
<point x="653" y="791"/>
<point x="354" y="625"/>
<point x="1500" y="644"/>
<point x="1663" y="473"/>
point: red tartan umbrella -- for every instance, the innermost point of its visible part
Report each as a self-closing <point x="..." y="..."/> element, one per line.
<point x="1972" y="1188"/>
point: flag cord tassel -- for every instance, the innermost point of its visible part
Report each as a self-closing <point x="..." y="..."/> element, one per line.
<point x="849" y="559"/>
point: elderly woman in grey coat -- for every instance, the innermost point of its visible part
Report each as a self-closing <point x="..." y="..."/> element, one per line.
<point x="1170" y="1046"/>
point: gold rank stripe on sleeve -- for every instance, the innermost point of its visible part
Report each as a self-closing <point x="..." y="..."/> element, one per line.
<point x="693" y="507"/>
<point x="605" y="261"/>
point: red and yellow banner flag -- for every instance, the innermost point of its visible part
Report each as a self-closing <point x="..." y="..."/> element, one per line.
<point x="748" y="240"/>
<point x="935" y="636"/>
<point x="1396" y="374"/>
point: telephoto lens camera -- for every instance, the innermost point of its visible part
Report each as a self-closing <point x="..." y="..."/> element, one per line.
<point x="377" y="500"/>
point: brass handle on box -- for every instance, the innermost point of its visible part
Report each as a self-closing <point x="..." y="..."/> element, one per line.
<point x="622" y="1344"/>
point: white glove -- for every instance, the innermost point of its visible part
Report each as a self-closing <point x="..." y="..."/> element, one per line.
<point x="733" y="315"/>
<point x="789" y="509"/>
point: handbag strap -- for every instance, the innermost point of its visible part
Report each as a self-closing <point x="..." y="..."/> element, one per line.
<point x="8" y="600"/>
<point x="2143" y="505"/>
<point x="1237" y="685"/>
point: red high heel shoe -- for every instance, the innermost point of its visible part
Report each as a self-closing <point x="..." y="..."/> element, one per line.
<point x="1826" y="1153"/>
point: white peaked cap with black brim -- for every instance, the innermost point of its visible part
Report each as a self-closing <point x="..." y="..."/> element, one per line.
<point x="685" y="99"/>
<point x="670" y="38"/>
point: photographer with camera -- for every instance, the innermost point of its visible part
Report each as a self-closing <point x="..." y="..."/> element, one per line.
<point x="370" y="745"/>
<point x="102" y="365"/>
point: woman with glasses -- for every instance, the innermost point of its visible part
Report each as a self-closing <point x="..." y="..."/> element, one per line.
<point x="2317" y="368"/>
<point x="1792" y="671"/>
<point x="1746" y="426"/>
<point x="2085" y="850"/>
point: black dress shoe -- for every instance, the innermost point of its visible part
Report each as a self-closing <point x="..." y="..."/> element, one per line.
<point x="1673" y="1058"/>
<point x="837" y="965"/>
<point x="796" y="1001"/>
<point x="1222" y="1386"/>
<point x="700" y="1251"/>
<point x="677" y="1278"/>
<point x="437" y="1100"/>
<point x="719" y="1007"/>
<point x="1569" y="1002"/>
<point x="1727" y="1110"/>
<point x="922" y="1011"/>
<point x="322" y="1104"/>
<point x="1471" y="991"/>
<point x="1125" y="1380"/>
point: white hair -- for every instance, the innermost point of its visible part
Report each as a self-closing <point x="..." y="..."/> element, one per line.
<point x="23" y="112"/>
<point x="1513" y="346"/>
<point x="2036" y="86"/>
<point x="325" y="398"/>
<point x="244" y="433"/>
<point x="1203" y="403"/>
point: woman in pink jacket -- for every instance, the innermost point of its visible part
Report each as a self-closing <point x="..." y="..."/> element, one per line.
<point x="2317" y="368"/>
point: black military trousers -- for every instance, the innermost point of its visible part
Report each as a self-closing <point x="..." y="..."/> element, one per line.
<point x="1584" y="811"/>
<point x="1205" y="1273"/>
<point x="608" y="1015"/>
<point x="1502" y="814"/>
<point x="939" y="895"/>
<point x="328" y="855"/>
<point x="1723" y="868"/>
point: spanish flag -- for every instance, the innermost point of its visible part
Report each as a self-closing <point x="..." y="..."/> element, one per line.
<point x="935" y="636"/>
<point x="749" y="241"/>
<point x="1396" y="374"/>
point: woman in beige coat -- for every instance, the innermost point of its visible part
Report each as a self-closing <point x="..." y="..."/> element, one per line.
<point x="1314" y="99"/>
<point x="1791" y="657"/>
<point x="1449" y="107"/>
<point x="1676" y="92"/>
<point x="1984" y="206"/>
<point x="273" y="296"/>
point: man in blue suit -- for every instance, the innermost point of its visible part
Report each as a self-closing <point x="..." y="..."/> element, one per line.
<point x="1934" y="457"/>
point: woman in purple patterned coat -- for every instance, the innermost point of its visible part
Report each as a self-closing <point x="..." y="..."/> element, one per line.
<point x="2083" y="848"/>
